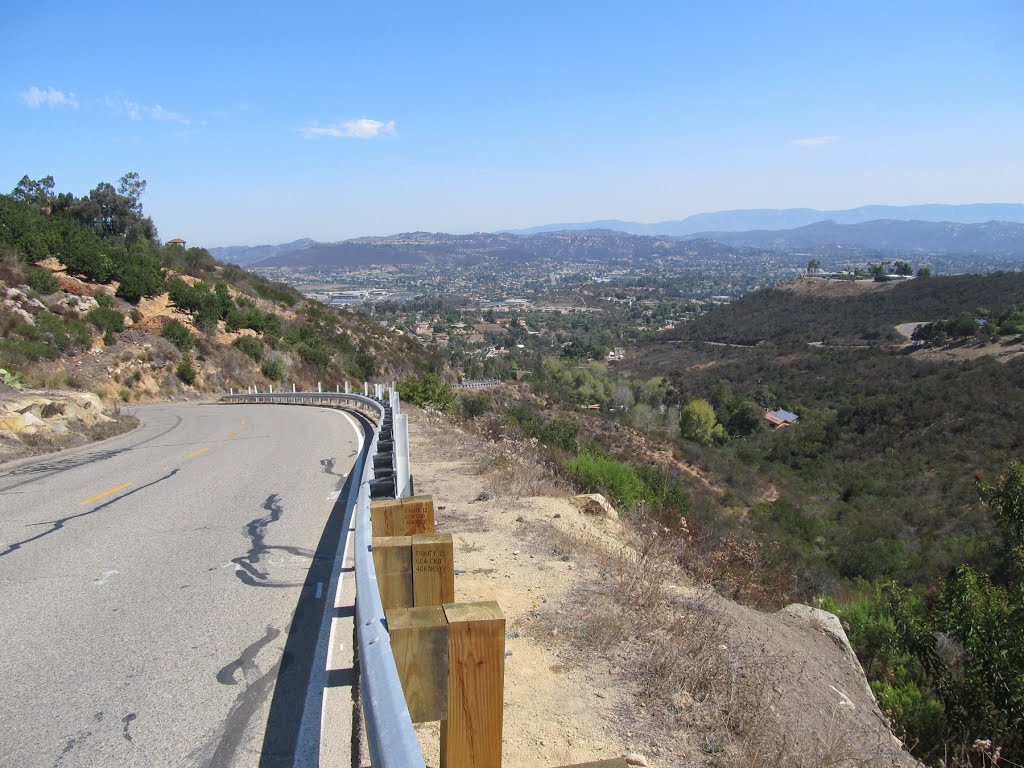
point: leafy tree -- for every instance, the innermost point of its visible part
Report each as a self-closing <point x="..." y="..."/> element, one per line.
<point x="924" y="272"/>
<point x="38" y="193"/>
<point x="697" y="422"/>
<point x="746" y="418"/>
<point x="813" y="266"/>
<point x="903" y="268"/>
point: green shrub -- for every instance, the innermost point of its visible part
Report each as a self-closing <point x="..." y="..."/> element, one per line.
<point x="42" y="280"/>
<point x="108" y="320"/>
<point x="427" y="390"/>
<point x="186" y="371"/>
<point x="473" y="405"/>
<point x="315" y="355"/>
<point x="273" y="368"/>
<point x="618" y="482"/>
<point x="180" y="336"/>
<point x="249" y="345"/>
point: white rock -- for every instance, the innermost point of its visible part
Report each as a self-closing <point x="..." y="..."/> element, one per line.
<point x="594" y="504"/>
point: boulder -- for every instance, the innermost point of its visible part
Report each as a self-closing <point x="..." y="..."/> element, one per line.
<point x="594" y="504"/>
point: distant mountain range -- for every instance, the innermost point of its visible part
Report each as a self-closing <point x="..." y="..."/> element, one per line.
<point x="990" y="229"/>
<point x="250" y="254"/>
<point x="898" y="237"/>
<point x="790" y="218"/>
<point x="453" y="250"/>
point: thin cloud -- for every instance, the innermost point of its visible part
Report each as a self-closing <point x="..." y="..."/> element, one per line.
<point x="363" y="128"/>
<point x="36" y="97"/>
<point x="816" y="141"/>
<point x="136" y="111"/>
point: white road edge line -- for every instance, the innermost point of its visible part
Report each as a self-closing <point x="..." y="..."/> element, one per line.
<point x="308" y="746"/>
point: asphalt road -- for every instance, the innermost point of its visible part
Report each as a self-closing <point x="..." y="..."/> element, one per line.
<point x="159" y="594"/>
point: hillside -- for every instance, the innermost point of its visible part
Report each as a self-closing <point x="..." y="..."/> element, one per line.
<point x="91" y="301"/>
<point x="839" y="312"/>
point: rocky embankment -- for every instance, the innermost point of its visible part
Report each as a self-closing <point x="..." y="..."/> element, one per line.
<point x="38" y="421"/>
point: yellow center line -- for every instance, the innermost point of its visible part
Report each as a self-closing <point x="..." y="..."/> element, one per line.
<point x="107" y="492"/>
<point x="243" y="422"/>
<point x="196" y="453"/>
<point x="232" y="434"/>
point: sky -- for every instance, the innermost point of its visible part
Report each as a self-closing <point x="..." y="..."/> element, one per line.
<point x="266" y="122"/>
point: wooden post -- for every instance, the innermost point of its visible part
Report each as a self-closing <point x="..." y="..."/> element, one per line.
<point x="419" y="641"/>
<point x="392" y="559"/>
<point x="402" y="517"/>
<point x="418" y="513"/>
<point x="433" y="569"/>
<point x="384" y="517"/>
<point x="471" y="736"/>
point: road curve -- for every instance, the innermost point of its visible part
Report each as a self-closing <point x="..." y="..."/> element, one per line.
<point x="159" y="593"/>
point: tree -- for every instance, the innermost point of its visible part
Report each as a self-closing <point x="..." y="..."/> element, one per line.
<point x="38" y="193"/>
<point x="903" y="268"/>
<point x="746" y="419"/>
<point x="924" y="272"/>
<point x="697" y="422"/>
<point x="813" y="266"/>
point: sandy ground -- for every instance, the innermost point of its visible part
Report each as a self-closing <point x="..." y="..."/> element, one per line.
<point x="555" y="714"/>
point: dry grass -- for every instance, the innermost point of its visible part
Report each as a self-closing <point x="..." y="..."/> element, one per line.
<point x="669" y="642"/>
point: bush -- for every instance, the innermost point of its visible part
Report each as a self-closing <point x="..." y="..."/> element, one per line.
<point x="248" y="345"/>
<point x="178" y="335"/>
<point x="186" y="371"/>
<point x="110" y="321"/>
<point x="42" y="280"/>
<point x="140" y="278"/>
<point x="427" y="390"/>
<point x="618" y="482"/>
<point x="273" y="368"/>
<point x="471" y="406"/>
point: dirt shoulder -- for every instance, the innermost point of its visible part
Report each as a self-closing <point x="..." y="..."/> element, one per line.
<point x="612" y="652"/>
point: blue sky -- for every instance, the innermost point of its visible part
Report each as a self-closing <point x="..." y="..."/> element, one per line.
<point x="265" y="122"/>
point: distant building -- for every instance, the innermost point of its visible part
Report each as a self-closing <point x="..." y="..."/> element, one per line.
<point x="780" y="418"/>
<point x="176" y="241"/>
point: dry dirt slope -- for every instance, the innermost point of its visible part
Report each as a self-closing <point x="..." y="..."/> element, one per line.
<point x="611" y="652"/>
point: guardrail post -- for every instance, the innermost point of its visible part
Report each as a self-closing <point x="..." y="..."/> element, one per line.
<point x="471" y="736"/>
<point x="402" y="517"/>
<point x="419" y="641"/>
<point x="433" y="569"/>
<point x="392" y="560"/>
<point x="401" y="432"/>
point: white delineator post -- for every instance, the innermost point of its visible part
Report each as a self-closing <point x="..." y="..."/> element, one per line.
<point x="318" y="387"/>
<point x="366" y="389"/>
<point x="346" y="387"/>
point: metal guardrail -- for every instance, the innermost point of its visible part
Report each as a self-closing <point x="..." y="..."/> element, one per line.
<point x="391" y="739"/>
<point x="477" y="384"/>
